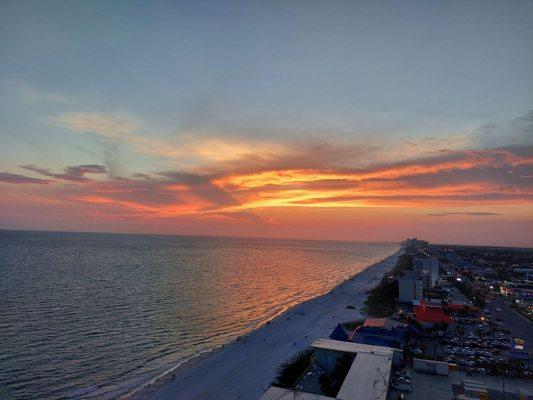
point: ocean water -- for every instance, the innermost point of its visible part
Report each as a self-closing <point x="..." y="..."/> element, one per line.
<point x="91" y="316"/>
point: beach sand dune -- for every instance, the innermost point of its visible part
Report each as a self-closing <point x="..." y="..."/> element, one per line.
<point x="245" y="368"/>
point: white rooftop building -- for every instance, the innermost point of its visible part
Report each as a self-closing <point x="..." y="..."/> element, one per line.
<point x="367" y="379"/>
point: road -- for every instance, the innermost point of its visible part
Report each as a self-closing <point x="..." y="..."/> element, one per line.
<point x="518" y="325"/>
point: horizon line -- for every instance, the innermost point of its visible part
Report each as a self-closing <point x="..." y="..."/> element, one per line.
<point x="264" y="237"/>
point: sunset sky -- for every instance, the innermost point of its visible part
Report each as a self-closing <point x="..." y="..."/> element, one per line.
<point x="349" y="120"/>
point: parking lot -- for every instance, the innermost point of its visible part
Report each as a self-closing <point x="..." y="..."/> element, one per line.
<point x="477" y="343"/>
<point x="480" y="343"/>
<point x="439" y="387"/>
<point x="518" y="324"/>
<point x="425" y="386"/>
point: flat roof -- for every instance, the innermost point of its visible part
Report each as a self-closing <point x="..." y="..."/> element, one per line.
<point x="379" y="322"/>
<point x="277" y="393"/>
<point x="368" y="378"/>
<point x="349" y="347"/>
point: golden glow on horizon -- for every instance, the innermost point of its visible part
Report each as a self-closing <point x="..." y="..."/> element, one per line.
<point x="456" y="186"/>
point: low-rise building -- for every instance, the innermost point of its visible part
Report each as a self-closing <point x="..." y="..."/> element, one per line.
<point x="429" y="316"/>
<point x="387" y="332"/>
<point x="340" y="333"/>
<point x="368" y="377"/>
<point x="377" y="336"/>
<point x="387" y="323"/>
<point x="431" y="366"/>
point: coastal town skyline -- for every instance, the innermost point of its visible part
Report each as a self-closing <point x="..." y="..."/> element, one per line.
<point x="264" y="200"/>
<point x="348" y="121"/>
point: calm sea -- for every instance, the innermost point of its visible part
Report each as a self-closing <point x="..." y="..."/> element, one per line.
<point x="90" y="316"/>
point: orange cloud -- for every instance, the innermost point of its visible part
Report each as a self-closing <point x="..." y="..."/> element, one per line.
<point x="497" y="176"/>
<point x="457" y="179"/>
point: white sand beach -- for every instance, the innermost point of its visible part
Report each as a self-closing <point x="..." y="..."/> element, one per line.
<point x="245" y="368"/>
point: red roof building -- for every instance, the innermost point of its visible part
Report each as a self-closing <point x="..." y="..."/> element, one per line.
<point x="387" y="323"/>
<point x="453" y="306"/>
<point x="376" y="322"/>
<point x="431" y="315"/>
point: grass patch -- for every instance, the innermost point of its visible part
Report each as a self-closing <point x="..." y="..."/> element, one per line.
<point x="291" y="371"/>
<point x="381" y="302"/>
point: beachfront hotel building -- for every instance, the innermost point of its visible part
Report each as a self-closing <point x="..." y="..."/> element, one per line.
<point x="368" y="377"/>
<point x="410" y="287"/>
<point x="423" y="276"/>
<point x="431" y="265"/>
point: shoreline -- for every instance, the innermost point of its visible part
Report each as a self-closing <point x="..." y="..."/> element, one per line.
<point x="219" y="372"/>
